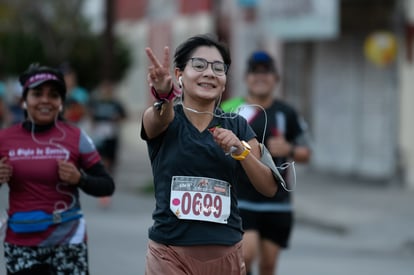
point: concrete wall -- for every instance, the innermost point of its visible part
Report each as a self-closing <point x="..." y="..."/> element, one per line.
<point x="354" y="106"/>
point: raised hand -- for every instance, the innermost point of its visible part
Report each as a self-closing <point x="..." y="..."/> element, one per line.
<point x="278" y="146"/>
<point x="159" y="75"/>
<point x="227" y="140"/>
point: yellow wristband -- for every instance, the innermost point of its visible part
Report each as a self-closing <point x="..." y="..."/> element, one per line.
<point x="245" y="152"/>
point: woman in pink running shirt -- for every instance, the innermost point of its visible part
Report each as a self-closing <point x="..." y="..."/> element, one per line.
<point x="45" y="161"/>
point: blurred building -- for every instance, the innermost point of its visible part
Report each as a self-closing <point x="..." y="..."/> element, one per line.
<point x="347" y="66"/>
<point x="156" y="23"/>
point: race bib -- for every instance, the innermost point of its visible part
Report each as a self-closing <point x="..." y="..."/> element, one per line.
<point x="201" y="199"/>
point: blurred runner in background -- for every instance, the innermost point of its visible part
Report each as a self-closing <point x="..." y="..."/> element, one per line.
<point x="268" y="222"/>
<point x="4" y="111"/>
<point x="46" y="161"/>
<point x="106" y="113"/>
<point x="77" y="98"/>
<point x="15" y="104"/>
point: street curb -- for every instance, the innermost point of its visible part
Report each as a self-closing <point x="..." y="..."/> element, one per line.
<point x="320" y="224"/>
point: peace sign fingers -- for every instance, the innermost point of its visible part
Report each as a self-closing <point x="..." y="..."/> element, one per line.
<point x="166" y="62"/>
<point x="158" y="73"/>
<point x="152" y="57"/>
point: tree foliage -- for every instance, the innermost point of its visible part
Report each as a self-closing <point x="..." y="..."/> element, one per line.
<point x="51" y="32"/>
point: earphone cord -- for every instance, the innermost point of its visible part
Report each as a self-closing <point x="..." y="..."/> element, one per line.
<point x="214" y="113"/>
<point x="59" y="205"/>
<point x="60" y="184"/>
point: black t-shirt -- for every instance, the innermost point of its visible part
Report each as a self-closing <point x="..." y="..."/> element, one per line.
<point x="107" y="110"/>
<point x="184" y="151"/>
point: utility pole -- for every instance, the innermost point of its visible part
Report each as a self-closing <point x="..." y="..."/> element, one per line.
<point x="108" y="42"/>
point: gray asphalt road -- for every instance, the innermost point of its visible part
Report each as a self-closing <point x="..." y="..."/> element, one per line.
<point x="118" y="237"/>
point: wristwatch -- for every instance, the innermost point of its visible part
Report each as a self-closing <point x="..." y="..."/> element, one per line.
<point x="245" y="152"/>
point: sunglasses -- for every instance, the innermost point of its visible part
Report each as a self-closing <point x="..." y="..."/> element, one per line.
<point x="200" y="64"/>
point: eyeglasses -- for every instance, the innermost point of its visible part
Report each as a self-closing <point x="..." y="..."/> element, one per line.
<point x="200" y="64"/>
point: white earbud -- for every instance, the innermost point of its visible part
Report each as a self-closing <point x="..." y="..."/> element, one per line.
<point x="24" y="105"/>
<point x="60" y="108"/>
<point x="180" y="81"/>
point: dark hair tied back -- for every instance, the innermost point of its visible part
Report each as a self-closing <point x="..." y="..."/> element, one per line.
<point x="184" y="50"/>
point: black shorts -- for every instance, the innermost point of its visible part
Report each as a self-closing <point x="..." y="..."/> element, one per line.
<point x="274" y="226"/>
<point x="108" y="148"/>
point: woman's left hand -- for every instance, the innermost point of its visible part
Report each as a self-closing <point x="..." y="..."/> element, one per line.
<point x="68" y="172"/>
<point x="227" y="140"/>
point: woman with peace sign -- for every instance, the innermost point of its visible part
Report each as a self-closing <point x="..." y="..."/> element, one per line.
<point x="195" y="150"/>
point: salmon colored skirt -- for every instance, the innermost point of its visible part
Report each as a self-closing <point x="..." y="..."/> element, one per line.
<point x="195" y="260"/>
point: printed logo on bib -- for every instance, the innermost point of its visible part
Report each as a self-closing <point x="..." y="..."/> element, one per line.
<point x="199" y="198"/>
